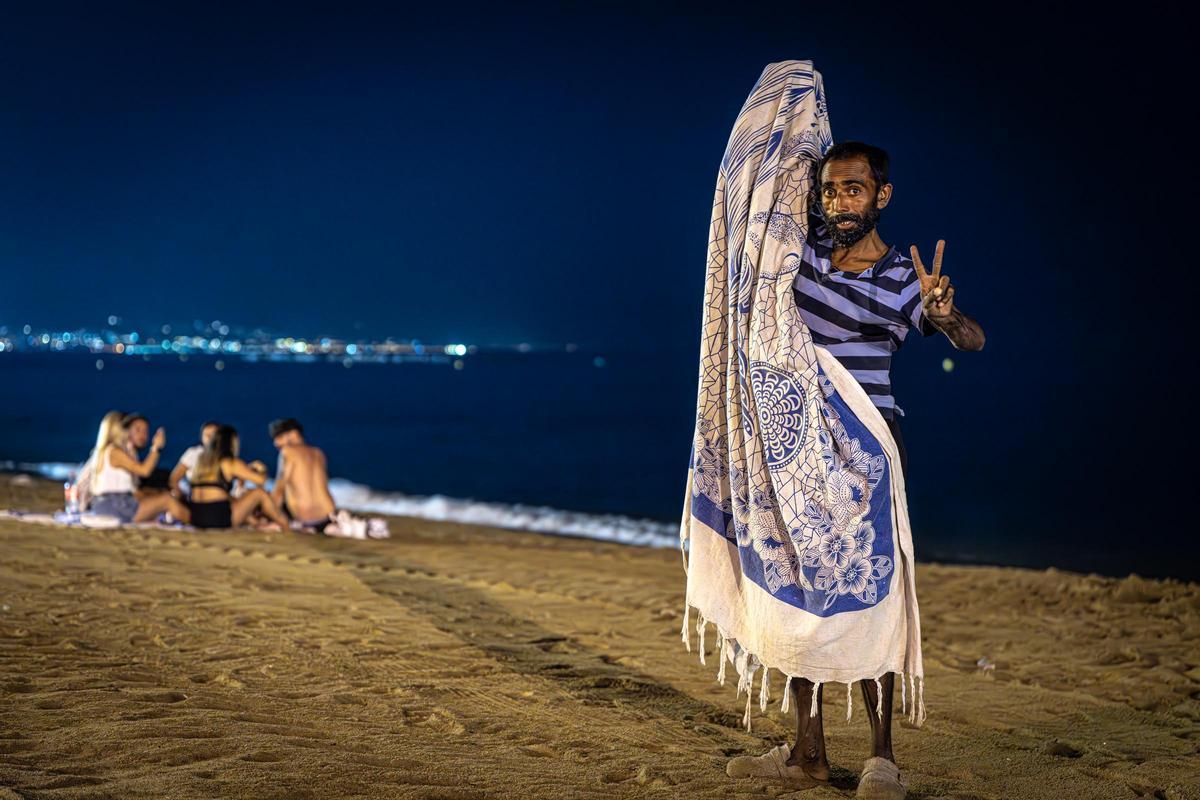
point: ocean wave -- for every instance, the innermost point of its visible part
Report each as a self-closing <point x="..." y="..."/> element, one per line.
<point x="538" y="519"/>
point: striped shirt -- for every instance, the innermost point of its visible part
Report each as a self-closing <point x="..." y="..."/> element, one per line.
<point x="860" y="318"/>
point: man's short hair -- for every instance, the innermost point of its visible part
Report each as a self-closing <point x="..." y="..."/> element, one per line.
<point x="128" y="420"/>
<point x="282" y="426"/>
<point x="877" y="160"/>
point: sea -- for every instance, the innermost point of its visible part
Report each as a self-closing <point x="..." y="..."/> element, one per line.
<point x="584" y="443"/>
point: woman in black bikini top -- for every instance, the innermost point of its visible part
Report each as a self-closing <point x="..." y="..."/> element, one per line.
<point x="212" y="481"/>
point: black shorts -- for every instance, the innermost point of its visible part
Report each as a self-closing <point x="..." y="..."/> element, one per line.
<point x="215" y="514"/>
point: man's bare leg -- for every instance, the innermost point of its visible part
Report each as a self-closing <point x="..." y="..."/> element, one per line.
<point x="881" y="729"/>
<point x="809" y="751"/>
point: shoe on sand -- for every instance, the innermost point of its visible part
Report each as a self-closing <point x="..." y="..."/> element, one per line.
<point x="773" y="764"/>
<point x="880" y="781"/>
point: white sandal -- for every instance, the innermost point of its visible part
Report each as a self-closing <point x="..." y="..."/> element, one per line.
<point x="880" y="781"/>
<point x="772" y="764"/>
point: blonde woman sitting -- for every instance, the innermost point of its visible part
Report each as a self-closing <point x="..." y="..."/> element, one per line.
<point x="113" y="470"/>
<point x="211" y="504"/>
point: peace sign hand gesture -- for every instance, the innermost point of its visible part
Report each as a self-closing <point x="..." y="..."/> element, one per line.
<point x="936" y="291"/>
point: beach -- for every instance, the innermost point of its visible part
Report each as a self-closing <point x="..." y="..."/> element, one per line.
<point x="458" y="661"/>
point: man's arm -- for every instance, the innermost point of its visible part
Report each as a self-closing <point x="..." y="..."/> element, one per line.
<point x="281" y="476"/>
<point x="937" y="303"/>
<point x="962" y="331"/>
<point x="176" y="476"/>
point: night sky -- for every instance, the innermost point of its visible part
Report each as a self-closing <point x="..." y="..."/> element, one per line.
<point x="487" y="174"/>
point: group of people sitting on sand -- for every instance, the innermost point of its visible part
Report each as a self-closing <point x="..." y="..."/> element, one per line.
<point x="210" y="487"/>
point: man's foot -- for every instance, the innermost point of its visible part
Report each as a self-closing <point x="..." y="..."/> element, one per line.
<point x="772" y="764"/>
<point x="815" y="766"/>
<point x="880" y="781"/>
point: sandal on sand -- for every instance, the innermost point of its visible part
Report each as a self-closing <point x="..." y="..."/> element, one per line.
<point x="773" y="764"/>
<point x="880" y="781"/>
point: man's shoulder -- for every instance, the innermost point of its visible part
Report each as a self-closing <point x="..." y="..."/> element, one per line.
<point x="897" y="267"/>
<point x="898" y="259"/>
<point x="302" y="451"/>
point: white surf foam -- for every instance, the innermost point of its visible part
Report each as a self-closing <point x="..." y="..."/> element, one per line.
<point x="540" y="519"/>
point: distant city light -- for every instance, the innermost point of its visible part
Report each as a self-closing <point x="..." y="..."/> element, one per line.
<point x="947" y="365"/>
<point x="112" y="319"/>
<point x="27" y="330"/>
<point x="99" y="363"/>
<point x="255" y="345"/>
<point x="599" y="361"/>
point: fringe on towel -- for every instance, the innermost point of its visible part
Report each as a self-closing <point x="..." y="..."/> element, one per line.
<point x="747" y="665"/>
<point x="721" y="655"/>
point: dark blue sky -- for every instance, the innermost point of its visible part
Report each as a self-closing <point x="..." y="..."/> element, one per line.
<point x="545" y="173"/>
<point x="536" y="175"/>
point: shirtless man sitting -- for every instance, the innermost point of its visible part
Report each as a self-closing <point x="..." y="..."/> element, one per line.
<point x="301" y="479"/>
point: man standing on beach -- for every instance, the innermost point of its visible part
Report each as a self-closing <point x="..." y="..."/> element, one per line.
<point x="859" y="297"/>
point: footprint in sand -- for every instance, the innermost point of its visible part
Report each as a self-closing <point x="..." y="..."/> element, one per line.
<point x="220" y="678"/>
<point x="1057" y="747"/>
<point x="539" y="750"/>
<point x="618" y="775"/>
<point x="160" y="697"/>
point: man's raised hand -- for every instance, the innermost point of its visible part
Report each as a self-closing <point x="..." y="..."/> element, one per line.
<point x="936" y="291"/>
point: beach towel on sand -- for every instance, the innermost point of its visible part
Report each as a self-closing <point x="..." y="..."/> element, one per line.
<point x="795" y="533"/>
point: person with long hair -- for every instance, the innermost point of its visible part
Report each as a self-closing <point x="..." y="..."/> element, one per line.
<point x="211" y="479"/>
<point x="112" y="476"/>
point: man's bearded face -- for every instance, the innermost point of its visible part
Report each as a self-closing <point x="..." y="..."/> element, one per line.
<point x="849" y="198"/>
<point x="848" y="228"/>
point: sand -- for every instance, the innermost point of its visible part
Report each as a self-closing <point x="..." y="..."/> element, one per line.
<point x="462" y="662"/>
